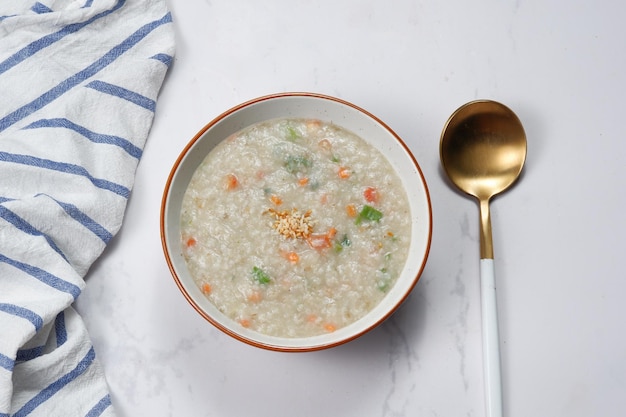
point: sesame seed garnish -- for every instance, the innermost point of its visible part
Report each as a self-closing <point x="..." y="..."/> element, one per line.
<point x="292" y="224"/>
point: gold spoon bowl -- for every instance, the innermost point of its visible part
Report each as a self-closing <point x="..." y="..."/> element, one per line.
<point x="483" y="149"/>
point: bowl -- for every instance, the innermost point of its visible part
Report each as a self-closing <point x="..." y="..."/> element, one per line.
<point x="308" y="106"/>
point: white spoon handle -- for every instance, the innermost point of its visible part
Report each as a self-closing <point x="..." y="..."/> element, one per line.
<point x="491" y="339"/>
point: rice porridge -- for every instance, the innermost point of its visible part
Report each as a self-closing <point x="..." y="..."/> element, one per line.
<point x="295" y="227"/>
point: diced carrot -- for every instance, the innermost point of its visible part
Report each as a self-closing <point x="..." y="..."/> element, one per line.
<point x="191" y="242"/>
<point x="324" y="198"/>
<point x="255" y="297"/>
<point x="276" y="200"/>
<point x="311" y="318"/>
<point x="325" y="144"/>
<point x="331" y="233"/>
<point x="351" y="210"/>
<point x="329" y="327"/>
<point x="260" y="175"/>
<point x="344" y="172"/>
<point x="390" y="234"/>
<point x="303" y="181"/>
<point x="206" y="289"/>
<point x="318" y="241"/>
<point x="293" y="257"/>
<point x="313" y="124"/>
<point x="231" y="182"/>
<point x="371" y="195"/>
<point x="244" y="322"/>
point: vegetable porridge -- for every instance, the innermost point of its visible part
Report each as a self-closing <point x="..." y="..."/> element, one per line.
<point x="295" y="227"/>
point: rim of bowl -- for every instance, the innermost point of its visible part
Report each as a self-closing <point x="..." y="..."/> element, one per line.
<point x="239" y="335"/>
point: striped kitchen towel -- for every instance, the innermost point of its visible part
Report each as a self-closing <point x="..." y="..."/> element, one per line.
<point x="78" y="86"/>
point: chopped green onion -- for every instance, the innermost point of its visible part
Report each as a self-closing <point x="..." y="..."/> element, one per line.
<point x="260" y="275"/>
<point x="292" y="133"/>
<point x="384" y="280"/>
<point x="345" y="242"/>
<point x="314" y="185"/>
<point x="295" y="164"/>
<point x="383" y="285"/>
<point x="368" y="213"/>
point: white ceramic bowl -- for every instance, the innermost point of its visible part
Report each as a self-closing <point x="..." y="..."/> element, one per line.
<point x="311" y="106"/>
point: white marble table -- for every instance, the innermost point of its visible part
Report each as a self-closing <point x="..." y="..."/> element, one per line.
<point x="559" y="233"/>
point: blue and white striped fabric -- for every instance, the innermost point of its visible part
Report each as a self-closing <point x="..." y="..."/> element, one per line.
<point x="78" y="86"/>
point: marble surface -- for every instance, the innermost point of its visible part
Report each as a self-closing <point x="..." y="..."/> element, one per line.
<point x="558" y="234"/>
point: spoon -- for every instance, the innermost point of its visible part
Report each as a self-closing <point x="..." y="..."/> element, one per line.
<point x="482" y="150"/>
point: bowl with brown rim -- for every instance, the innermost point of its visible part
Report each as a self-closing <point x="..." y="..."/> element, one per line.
<point x="310" y="106"/>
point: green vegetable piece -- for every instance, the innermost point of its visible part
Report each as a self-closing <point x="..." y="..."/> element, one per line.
<point x="314" y="185"/>
<point x="337" y="247"/>
<point x="368" y="213"/>
<point x="292" y="133"/>
<point x="260" y="275"/>
<point x="344" y="242"/>
<point x="296" y="164"/>
<point x="383" y="285"/>
<point x="383" y="282"/>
